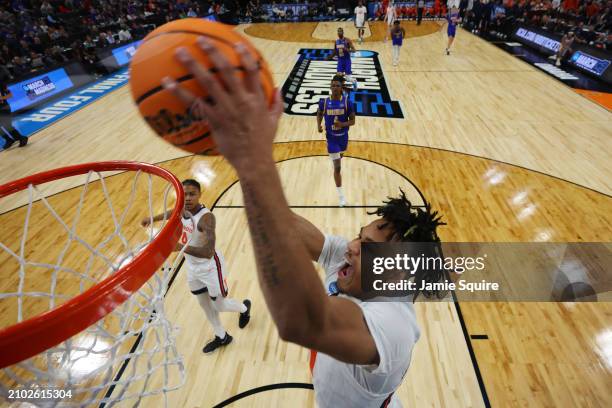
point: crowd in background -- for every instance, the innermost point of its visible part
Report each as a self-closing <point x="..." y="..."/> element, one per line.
<point x="590" y="20"/>
<point x="36" y="34"/>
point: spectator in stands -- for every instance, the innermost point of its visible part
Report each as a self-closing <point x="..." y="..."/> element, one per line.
<point x="124" y="34"/>
<point x="36" y="60"/>
<point x="331" y="8"/>
<point x="110" y="37"/>
<point x="278" y="12"/>
<point x="44" y="24"/>
<point x="19" y="65"/>
<point x="89" y="42"/>
<point x="46" y="8"/>
<point x="38" y="45"/>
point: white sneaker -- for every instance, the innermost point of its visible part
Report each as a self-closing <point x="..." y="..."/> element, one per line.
<point x="342" y="201"/>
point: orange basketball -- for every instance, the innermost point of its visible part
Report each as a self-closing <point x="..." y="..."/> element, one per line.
<point x="155" y="59"/>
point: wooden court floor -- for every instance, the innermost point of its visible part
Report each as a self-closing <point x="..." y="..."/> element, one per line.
<point x="505" y="153"/>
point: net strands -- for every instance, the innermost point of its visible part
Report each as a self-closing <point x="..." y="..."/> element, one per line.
<point x="127" y="355"/>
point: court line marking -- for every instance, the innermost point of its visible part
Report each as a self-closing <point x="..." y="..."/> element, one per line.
<point x="264" y="388"/>
<point x="364" y="142"/>
<point x="345" y="155"/>
<point x="465" y="154"/>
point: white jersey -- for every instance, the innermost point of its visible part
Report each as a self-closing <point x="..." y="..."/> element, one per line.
<point x="195" y="238"/>
<point x="360" y="15"/>
<point x="390" y="16"/>
<point x="393" y="326"/>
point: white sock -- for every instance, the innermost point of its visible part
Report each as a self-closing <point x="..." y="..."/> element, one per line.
<point x="211" y="313"/>
<point x="340" y="192"/>
<point x="228" y="305"/>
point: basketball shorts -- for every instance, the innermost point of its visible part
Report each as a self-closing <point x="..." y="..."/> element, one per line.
<point x="344" y="65"/>
<point x="209" y="277"/>
<point x="451" y="30"/>
<point x="360" y="23"/>
<point x="337" y="144"/>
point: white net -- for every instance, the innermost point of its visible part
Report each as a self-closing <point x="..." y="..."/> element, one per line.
<point x="57" y="247"/>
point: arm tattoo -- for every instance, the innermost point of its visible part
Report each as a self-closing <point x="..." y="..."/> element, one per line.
<point x="264" y="253"/>
<point x="208" y="230"/>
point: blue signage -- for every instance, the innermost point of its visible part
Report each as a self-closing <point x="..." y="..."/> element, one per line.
<point x="123" y="55"/>
<point x="590" y="63"/>
<point x="37" y="119"/>
<point x="547" y="43"/>
<point x="32" y="90"/>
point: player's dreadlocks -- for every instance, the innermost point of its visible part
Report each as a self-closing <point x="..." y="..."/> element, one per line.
<point x="413" y="224"/>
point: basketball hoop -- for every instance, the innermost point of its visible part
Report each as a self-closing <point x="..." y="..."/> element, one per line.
<point x="120" y="301"/>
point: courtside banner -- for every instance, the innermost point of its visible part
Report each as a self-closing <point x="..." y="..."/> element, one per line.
<point x="37" y="119"/>
<point x="485" y="272"/>
<point x="310" y="79"/>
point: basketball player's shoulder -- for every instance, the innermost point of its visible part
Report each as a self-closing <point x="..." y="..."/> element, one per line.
<point x="203" y="210"/>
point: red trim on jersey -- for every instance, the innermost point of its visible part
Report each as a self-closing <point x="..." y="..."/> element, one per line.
<point x="220" y="275"/>
<point x="313" y="360"/>
<point x="386" y="402"/>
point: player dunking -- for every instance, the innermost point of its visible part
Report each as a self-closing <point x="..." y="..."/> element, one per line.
<point x="397" y="37"/>
<point x="364" y="348"/>
<point x="360" y="16"/>
<point x="206" y="271"/>
<point x="453" y="19"/>
<point x="339" y="115"/>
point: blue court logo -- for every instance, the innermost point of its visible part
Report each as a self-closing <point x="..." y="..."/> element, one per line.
<point x="310" y="78"/>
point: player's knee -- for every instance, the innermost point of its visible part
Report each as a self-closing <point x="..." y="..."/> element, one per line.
<point x="335" y="157"/>
<point x="218" y="304"/>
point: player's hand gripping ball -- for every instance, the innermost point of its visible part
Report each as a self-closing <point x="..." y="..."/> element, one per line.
<point x="185" y="127"/>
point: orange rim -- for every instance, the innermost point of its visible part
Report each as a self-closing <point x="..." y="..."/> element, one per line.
<point x="39" y="333"/>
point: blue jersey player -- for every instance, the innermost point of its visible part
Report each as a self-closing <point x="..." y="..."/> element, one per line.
<point x="453" y="19"/>
<point x="397" y="38"/>
<point x="342" y="49"/>
<point x="339" y="115"/>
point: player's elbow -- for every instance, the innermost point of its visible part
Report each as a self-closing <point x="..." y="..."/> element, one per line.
<point x="294" y="333"/>
<point x="299" y="331"/>
<point x="206" y="252"/>
<point x="288" y="332"/>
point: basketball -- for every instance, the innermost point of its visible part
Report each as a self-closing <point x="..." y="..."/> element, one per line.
<point x="155" y="59"/>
